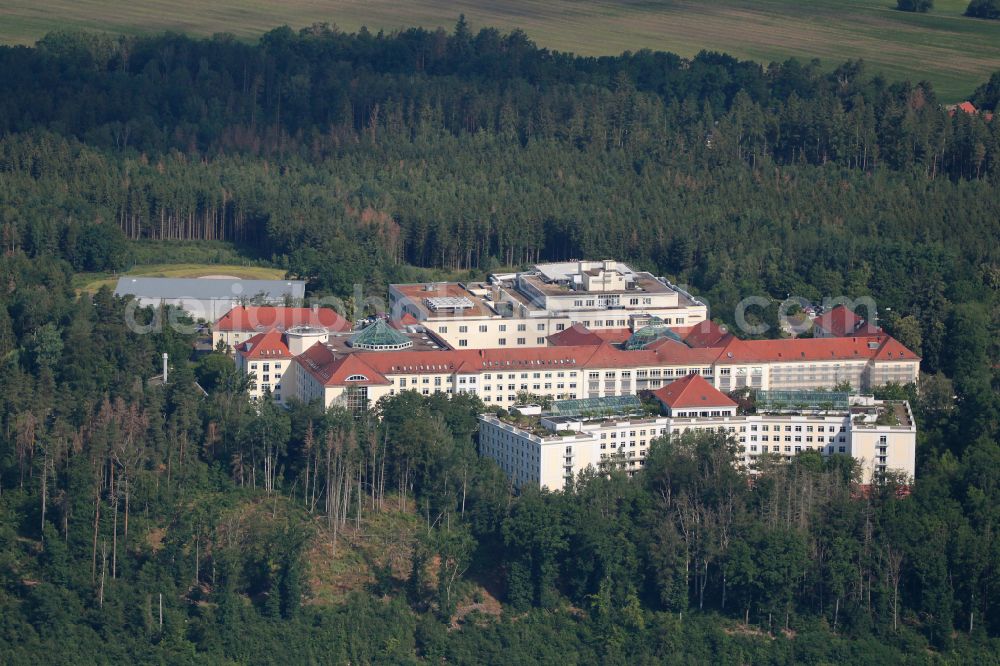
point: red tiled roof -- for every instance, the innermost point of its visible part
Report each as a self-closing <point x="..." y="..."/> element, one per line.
<point x="476" y="360"/>
<point x="838" y="322"/>
<point x="265" y="318"/>
<point x="968" y="107"/>
<point x="614" y="335"/>
<point x="692" y="391"/>
<point x="704" y="334"/>
<point x="813" y="349"/>
<point x="892" y="349"/>
<point x="332" y="369"/>
<point x="868" y="329"/>
<point x="264" y="345"/>
<point x="406" y="320"/>
<point x="578" y="334"/>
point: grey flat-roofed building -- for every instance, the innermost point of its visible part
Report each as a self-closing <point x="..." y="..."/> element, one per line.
<point x="209" y="297"/>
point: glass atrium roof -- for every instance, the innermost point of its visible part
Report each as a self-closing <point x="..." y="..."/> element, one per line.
<point x="802" y="401"/>
<point x="379" y="336"/>
<point x="617" y="405"/>
<point x="647" y="334"/>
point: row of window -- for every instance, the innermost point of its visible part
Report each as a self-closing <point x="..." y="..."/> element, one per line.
<point x="798" y="428"/>
<point x="788" y="438"/>
<point x="513" y="398"/>
<point x="798" y="449"/>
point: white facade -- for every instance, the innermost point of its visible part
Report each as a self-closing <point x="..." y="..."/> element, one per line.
<point x="562" y="448"/>
<point x="269" y="375"/>
<point x="607" y="377"/>
<point x="520" y="310"/>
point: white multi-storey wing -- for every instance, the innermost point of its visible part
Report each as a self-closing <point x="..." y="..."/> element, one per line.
<point x="548" y="451"/>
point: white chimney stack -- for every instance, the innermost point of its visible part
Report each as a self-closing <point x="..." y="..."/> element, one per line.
<point x="165" y="357"/>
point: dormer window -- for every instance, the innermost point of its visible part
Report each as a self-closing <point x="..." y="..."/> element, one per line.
<point x="357" y="378"/>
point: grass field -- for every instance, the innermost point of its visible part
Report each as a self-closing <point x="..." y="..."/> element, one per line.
<point x="955" y="53"/>
<point x="91" y="282"/>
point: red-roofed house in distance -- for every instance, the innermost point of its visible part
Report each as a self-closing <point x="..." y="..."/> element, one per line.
<point x="969" y="108"/>
<point x="693" y="396"/>
<point x="841" y="322"/>
<point x="243" y="322"/>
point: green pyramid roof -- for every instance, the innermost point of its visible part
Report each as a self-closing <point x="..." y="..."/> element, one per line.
<point x="380" y="336"/>
<point x="648" y="334"/>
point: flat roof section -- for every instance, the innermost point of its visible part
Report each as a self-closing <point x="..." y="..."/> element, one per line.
<point x="645" y="283"/>
<point x="565" y="270"/>
<point x="209" y="288"/>
<point x="421" y="295"/>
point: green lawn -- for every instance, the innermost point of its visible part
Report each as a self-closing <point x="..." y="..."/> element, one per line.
<point x="91" y="282"/>
<point x="954" y="52"/>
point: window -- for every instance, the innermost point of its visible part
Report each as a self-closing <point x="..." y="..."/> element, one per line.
<point x="463" y="343"/>
<point x="540" y="340"/>
<point x="357" y="378"/>
<point x="520" y="341"/>
<point x="502" y="341"/>
<point x="540" y="327"/>
<point x="463" y="329"/>
<point x="442" y="329"/>
<point x="521" y="327"/>
<point x="482" y="328"/>
<point x="503" y="328"/>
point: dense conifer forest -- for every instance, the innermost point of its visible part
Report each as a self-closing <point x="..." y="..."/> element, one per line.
<point x="143" y="522"/>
